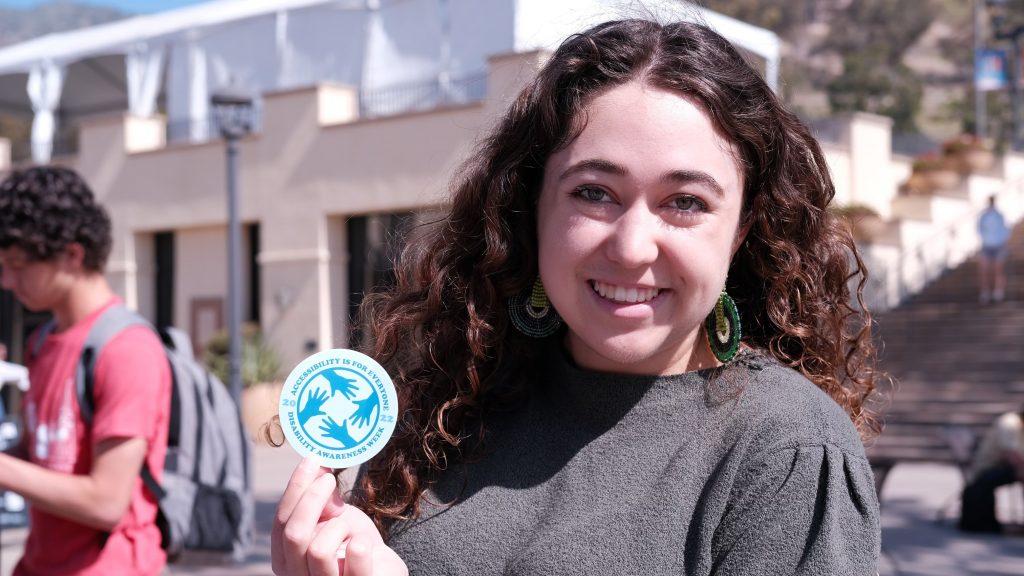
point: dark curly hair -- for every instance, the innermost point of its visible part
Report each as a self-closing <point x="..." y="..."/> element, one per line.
<point x="443" y="333"/>
<point x="46" y="208"/>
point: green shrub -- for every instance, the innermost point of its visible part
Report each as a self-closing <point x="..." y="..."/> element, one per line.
<point x="932" y="161"/>
<point x="260" y="362"/>
<point x="853" y="211"/>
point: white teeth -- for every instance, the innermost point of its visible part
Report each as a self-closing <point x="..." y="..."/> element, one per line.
<point x="630" y="295"/>
<point x="621" y="294"/>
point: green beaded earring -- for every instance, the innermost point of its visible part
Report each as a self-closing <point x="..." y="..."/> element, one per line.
<point x="722" y="328"/>
<point x="532" y="314"/>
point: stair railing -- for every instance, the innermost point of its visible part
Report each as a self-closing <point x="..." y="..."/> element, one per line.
<point x="898" y="272"/>
<point x="924" y="262"/>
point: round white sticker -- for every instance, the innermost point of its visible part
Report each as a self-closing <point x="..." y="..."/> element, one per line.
<point x="338" y="406"/>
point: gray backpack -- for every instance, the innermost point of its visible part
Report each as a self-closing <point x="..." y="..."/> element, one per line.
<point x="205" y="496"/>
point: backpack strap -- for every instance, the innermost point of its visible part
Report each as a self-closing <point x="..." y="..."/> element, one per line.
<point x="151" y="484"/>
<point x="111" y="322"/>
<point x="42" y="335"/>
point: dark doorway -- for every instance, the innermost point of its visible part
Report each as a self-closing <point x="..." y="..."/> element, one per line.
<point x="374" y="243"/>
<point x="164" y="247"/>
<point x="253" y="231"/>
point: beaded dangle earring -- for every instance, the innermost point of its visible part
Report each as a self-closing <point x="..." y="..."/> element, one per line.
<point x="532" y="313"/>
<point x="722" y="328"/>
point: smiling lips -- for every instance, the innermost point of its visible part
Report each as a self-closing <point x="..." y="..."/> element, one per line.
<point x="623" y="294"/>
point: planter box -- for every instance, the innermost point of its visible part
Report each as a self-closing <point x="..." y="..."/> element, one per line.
<point x="916" y="185"/>
<point x="867" y="228"/>
<point x="942" y="179"/>
<point x="978" y="160"/>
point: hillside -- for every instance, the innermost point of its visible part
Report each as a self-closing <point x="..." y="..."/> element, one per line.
<point x="881" y="56"/>
<point x="18" y="25"/>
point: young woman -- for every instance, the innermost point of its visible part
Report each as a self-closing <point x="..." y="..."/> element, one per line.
<point x="629" y="349"/>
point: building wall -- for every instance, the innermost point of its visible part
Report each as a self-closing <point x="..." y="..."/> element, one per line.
<point x="314" y="163"/>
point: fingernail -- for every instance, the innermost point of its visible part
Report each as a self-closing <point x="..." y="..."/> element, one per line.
<point x="326" y="481"/>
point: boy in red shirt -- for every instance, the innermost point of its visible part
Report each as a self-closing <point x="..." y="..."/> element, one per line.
<point x="90" y="513"/>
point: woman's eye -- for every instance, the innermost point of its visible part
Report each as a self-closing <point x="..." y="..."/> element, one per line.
<point x="688" y="204"/>
<point x="591" y="193"/>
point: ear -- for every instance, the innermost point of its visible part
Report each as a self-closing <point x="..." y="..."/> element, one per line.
<point x="74" y="257"/>
<point x="741" y="236"/>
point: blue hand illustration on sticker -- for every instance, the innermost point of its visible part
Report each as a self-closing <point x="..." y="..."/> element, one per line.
<point x="338" y="432"/>
<point x="314" y="401"/>
<point x="346" y="386"/>
<point x="365" y="411"/>
<point x="338" y="408"/>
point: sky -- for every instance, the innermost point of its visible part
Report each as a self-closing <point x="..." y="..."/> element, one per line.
<point x="138" y="6"/>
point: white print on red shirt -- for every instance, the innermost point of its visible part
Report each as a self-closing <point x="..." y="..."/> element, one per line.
<point x="55" y="445"/>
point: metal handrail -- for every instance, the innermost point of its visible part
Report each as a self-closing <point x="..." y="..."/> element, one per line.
<point x="410" y="97"/>
<point x="917" y="251"/>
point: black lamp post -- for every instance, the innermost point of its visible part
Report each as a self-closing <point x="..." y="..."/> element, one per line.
<point x="233" y="111"/>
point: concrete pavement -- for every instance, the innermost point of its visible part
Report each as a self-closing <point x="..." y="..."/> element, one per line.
<point x="914" y="544"/>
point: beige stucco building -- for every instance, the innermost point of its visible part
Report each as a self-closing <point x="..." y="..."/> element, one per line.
<point x="314" y="176"/>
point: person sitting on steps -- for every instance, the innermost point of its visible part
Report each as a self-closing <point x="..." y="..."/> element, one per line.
<point x="998" y="461"/>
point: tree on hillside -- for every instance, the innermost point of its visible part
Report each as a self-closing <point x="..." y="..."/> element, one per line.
<point x="870" y="83"/>
<point x="787" y="19"/>
<point x="872" y="36"/>
<point x="869" y="36"/>
<point x="779" y="16"/>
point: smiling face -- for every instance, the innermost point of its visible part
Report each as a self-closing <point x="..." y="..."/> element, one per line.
<point x="638" y="220"/>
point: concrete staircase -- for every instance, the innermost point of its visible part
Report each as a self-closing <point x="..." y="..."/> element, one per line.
<point x="955" y="361"/>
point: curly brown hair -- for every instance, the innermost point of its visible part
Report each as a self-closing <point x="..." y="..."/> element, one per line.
<point x="45" y="208"/>
<point x="442" y="330"/>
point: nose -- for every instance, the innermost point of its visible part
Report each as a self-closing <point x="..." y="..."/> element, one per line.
<point x="633" y="241"/>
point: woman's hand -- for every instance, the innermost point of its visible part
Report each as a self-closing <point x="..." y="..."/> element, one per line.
<point x="316" y="534"/>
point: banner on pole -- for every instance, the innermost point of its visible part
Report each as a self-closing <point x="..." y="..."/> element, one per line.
<point x="990" y="70"/>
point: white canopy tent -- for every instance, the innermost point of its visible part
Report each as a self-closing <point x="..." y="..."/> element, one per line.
<point x="179" y="57"/>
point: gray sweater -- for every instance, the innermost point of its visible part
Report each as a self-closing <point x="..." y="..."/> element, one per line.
<point x="749" y="469"/>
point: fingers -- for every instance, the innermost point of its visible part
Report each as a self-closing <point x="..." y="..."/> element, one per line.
<point x="387" y="563"/>
<point x="298" y="532"/>
<point x="305" y="473"/>
<point x="313" y="524"/>
<point x="365" y="557"/>
<point x="359" y="556"/>
<point x="335" y="535"/>
<point x="340" y="533"/>
<point x="322" y="559"/>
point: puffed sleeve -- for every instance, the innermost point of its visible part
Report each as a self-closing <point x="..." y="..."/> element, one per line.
<point x="803" y="510"/>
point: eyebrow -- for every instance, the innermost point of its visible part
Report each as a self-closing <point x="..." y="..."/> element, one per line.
<point x="675" y="176"/>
